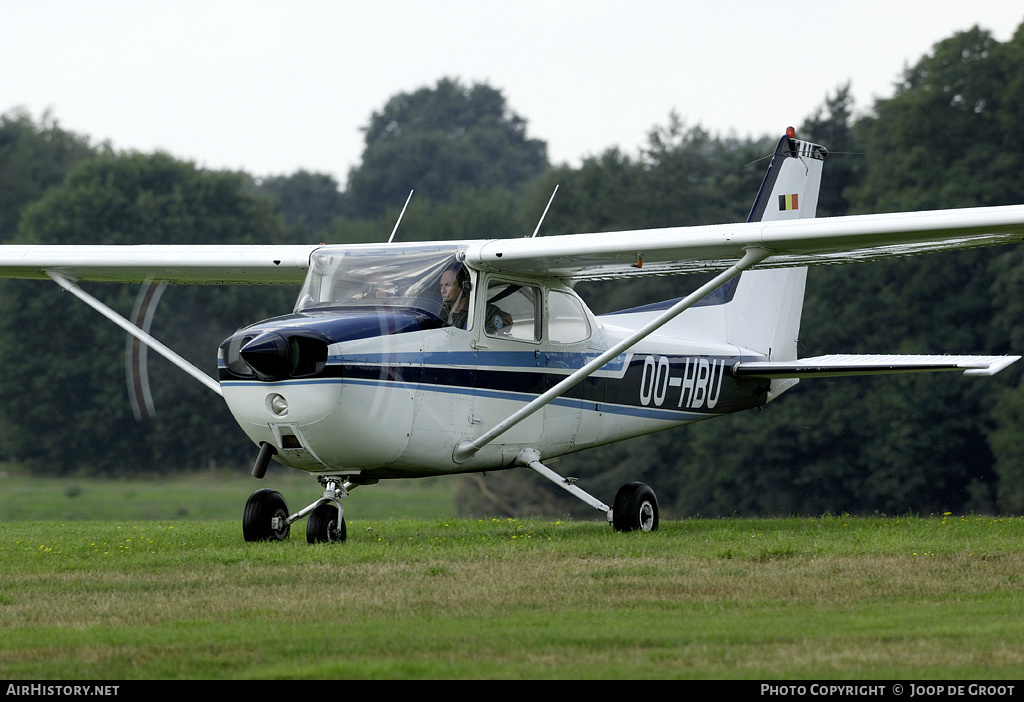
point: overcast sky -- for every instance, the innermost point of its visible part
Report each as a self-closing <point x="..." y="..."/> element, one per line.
<point x="271" y="87"/>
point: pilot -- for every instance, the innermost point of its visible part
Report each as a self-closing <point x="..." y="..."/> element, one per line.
<point x="455" y="289"/>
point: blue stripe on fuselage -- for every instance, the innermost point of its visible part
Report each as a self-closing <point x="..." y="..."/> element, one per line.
<point x="485" y="359"/>
<point x="628" y="389"/>
<point x="563" y="401"/>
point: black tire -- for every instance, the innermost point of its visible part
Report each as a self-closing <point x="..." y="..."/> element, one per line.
<point x="260" y="510"/>
<point x="322" y="527"/>
<point x="635" y="508"/>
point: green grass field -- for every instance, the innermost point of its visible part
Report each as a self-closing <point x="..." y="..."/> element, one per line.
<point x="123" y="597"/>
<point x="212" y="495"/>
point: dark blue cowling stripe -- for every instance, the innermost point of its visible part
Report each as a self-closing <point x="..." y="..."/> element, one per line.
<point x="348" y="325"/>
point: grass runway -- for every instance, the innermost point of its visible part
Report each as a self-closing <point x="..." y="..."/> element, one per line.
<point x="835" y="597"/>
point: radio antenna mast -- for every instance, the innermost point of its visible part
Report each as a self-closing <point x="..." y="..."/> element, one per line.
<point x="402" y="214"/>
<point x="545" y="213"/>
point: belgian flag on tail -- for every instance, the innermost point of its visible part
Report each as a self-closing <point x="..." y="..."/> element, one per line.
<point x="788" y="202"/>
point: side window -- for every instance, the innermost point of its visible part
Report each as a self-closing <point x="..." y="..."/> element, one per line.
<point x="512" y="311"/>
<point x="567" y="320"/>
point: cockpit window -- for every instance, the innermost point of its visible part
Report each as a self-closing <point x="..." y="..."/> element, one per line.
<point x="372" y="277"/>
<point x="513" y="311"/>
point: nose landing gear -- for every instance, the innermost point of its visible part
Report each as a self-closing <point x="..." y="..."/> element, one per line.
<point x="266" y="515"/>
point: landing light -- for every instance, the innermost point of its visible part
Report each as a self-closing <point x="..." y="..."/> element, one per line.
<point x="278" y="404"/>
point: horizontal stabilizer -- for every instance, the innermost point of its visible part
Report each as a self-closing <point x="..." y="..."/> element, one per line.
<point x="840" y="365"/>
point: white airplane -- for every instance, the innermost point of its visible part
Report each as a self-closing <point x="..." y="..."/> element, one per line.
<point x="405" y="360"/>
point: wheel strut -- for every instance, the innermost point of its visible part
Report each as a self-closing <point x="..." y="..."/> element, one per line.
<point x="636" y="507"/>
<point x="531" y="459"/>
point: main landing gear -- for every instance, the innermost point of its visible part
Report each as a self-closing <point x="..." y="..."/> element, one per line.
<point x="266" y="515"/>
<point x="635" y="507"/>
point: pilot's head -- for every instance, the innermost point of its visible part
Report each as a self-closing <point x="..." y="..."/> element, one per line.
<point x="454" y="282"/>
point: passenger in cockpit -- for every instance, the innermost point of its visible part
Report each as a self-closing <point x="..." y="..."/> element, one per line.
<point x="378" y="287"/>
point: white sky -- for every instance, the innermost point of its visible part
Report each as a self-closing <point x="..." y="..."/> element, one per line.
<point x="271" y="87"/>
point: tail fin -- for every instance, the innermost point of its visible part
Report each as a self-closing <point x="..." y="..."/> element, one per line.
<point x="758" y="311"/>
<point x="764" y="315"/>
<point x="790" y="187"/>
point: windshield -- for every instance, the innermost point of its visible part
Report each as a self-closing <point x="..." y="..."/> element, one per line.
<point x="372" y="276"/>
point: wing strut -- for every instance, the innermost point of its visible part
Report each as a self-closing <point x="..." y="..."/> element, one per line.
<point x="146" y="338"/>
<point x="466" y="448"/>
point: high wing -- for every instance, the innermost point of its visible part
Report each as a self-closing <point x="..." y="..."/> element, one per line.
<point x="769" y="244"/>
<point x="187" y="264"/>
<point x="793" y="242"/>
<point x="596" y="256"/>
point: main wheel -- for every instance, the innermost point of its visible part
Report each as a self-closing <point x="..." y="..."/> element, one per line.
<point x="635" y="508"/>
<point x="258" y="518"/>
<point x="323" y="525"/>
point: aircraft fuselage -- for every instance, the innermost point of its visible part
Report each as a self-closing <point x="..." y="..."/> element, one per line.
<point x="418" y="387"/>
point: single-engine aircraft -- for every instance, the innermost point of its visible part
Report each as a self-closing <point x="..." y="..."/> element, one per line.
<point x="405" y="360"/>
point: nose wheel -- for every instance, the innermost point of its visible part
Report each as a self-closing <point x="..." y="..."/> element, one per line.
<point x="326" y="524"/>
<point x="265" y="517"/>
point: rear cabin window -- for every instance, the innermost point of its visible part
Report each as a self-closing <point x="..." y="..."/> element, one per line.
<point x="567" y="320"/>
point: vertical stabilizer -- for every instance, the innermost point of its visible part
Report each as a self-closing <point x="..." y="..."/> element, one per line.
<point x="764" y="315"/>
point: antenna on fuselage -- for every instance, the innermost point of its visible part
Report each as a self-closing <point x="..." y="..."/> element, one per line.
<point x="402" y="214"/>
<point x="545" y="214"/>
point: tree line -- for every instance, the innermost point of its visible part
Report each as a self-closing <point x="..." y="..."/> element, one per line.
<point x="932" y="443"/>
